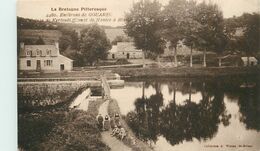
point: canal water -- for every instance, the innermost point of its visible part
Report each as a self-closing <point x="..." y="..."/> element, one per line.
<point x="193" y="114"/>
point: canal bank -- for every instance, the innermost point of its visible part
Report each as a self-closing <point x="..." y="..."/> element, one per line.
<point x="187" y="72"/>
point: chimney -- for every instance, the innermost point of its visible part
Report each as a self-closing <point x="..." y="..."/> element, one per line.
<point x="57" y="47"/>
<point x="21" y="45"/>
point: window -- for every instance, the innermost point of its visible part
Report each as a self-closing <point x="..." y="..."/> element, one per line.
<point x="28" y="53"/>
<point x="48" y="52"/>
<point x="47" y="62"/>
<point x="39" y="52"/>
<point x="28" y="63"/>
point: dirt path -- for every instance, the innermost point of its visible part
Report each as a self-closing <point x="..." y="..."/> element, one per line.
<point x="112" y="142"/>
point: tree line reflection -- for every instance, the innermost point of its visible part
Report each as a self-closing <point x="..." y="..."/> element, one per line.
<point x="184" y="122"/>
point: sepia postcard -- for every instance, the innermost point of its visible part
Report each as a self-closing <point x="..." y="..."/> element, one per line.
<point x="141" y="75"/>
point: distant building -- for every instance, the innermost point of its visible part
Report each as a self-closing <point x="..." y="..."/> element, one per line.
<point x="43" y="58"/>
<point x="182" y="50"/>
<point x="124" y="50"/>
<point x="251" y="61"/>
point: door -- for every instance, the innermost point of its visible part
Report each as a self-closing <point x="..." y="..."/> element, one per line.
<point x="62" y="67"/>
<point x="127" y="55"/>
<point x="38" y="65"/>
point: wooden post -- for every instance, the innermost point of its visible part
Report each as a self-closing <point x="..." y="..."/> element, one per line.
<point x="191" y="57"/>
<point x="175" y="57"/>
<point x="204" y="58"/>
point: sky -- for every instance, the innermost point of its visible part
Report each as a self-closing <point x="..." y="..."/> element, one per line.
<point x="38" y="9"/>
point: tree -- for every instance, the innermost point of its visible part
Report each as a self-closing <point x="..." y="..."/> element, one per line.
<point x="192" y="28"/>
<point x="64" y="42"/>
<point x="143" y="23"/>
<point x="69" y="39"/>
<point x="251" y="34"/>
<point x="93" y="44"/>
<point x="211" y="33"/>
<point x="243" y="33"/>
<point x="178" y="23"/>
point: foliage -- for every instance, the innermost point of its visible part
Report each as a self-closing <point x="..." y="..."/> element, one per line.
<point x="179" y="24"/>
<point x="243" y="33"/>
<point x="74" y="130"/>
<point x="25" y="23"/>
<point x="33" y="128"/>
<point x="69" y="39"/>
<point x="177" y="17"/>
<point x="59" y="129"/>
<point x="93" y="44"/>
<point x="78" y="131"/>
<point x="211" y="34"/>
<point x="143" y="23"/>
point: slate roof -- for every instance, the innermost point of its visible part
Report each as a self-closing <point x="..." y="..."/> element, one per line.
<point x="126" y="46"/>
<point x="42" y="48"/>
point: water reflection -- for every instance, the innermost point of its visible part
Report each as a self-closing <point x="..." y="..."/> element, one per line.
<point x="178" y="122"/>
<point x="249" y="106"/>
<point x="182" y="112"/>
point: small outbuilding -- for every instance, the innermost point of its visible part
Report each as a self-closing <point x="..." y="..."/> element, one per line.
<point x="249" y="61"/>
<point x="125" y="50"/>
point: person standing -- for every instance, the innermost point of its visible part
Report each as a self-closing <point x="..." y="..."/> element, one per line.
<point x="106" y="123"/>
<point x="117" y="119"/>
<point x="112" y="123"/>
<point x="100" y="121"/>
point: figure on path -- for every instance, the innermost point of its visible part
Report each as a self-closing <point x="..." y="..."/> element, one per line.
<point x="112" y="123"/>
<point x="122" y="133"/>
<point x="107" y="123"/>
<point x="100" y="121"/>
<point x="117" y="119"/>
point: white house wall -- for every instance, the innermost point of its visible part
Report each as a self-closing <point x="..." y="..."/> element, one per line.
<point x="56" y="62"/>
<point x="123" y="55"/>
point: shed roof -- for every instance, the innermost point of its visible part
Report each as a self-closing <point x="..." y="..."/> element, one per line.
<point x="126" y="46"/>
<point x="65" y="58"/>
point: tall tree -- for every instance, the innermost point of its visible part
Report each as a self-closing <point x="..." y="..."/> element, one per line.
<point x="143" y="23"/>
<point x="93" y="44"/>
<point x="192" y="28"/>
<point x="211" y="34"/>
<point x="178" y="23"/>
<point x="244" y="33"/>
<point x="251" y="34"/>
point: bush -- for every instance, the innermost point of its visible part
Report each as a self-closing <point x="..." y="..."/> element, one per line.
<point x="74" y="130"/>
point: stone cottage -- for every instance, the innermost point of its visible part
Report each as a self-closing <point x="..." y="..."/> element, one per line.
<point x="43" y="58"/>
<point x="125" y="50"/>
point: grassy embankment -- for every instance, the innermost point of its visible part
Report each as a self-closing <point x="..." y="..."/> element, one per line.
<point x="183" y="72"/>
<point x="187" y="72"/>
<point x="130" y="140"/>
<point x="58" y="128"/>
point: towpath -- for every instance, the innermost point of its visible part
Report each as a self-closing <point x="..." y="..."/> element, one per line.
<point x="112" y="142"/>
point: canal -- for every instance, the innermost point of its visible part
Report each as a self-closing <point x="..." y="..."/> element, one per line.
<point x="197" y="114"/>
